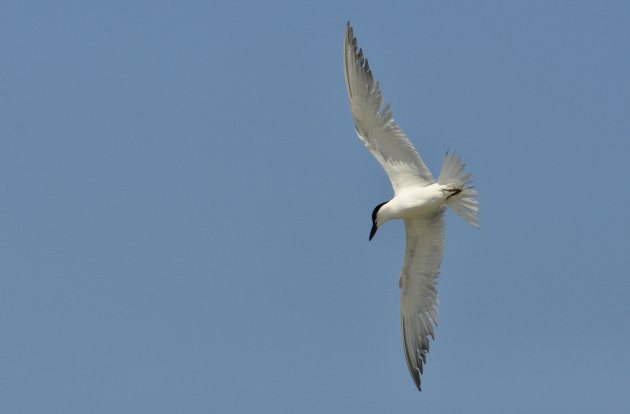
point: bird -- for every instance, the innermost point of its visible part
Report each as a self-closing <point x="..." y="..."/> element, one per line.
<point x="419" y="200"/>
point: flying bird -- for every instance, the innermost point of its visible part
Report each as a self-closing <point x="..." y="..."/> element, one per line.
<point x="419" y="200"/>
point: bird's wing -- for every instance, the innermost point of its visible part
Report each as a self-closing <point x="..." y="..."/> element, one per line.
<point x="375" y="124"/>
<point x="418" y="282"/>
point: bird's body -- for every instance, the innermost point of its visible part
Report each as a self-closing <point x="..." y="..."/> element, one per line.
<point x="414" y="202"/>
<point x="419" y="200"/>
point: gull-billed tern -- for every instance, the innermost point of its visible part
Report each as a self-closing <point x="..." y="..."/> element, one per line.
<point x="419" y="200"/>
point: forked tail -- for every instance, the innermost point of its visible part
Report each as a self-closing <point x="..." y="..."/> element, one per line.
<point x="463" y="202"/>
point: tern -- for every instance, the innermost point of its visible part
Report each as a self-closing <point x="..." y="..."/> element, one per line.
<point x="419" y="200"/>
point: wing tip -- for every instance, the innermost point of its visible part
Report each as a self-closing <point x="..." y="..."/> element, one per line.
<point x="416" y="379"/>
<point x="415" y="364"/>
<point x="350" y="39"/>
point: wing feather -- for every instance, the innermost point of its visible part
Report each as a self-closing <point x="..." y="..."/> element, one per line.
<point x="418" y="288"/>
<point x="375" y="124"/>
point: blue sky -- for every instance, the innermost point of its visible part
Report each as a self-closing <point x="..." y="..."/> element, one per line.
<point x="184" y="207"/>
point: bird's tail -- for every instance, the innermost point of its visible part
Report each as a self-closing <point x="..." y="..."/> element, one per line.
<point x="463" y="199"/>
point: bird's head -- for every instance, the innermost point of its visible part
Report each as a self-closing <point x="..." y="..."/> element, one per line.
<point x="375" y="219"/>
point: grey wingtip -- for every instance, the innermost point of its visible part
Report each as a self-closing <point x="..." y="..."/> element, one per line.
<point x="349" y="31"/>
<point x="416" y="380"/>
<point x="414" y="371"/>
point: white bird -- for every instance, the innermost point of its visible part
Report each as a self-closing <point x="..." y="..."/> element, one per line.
<point x="418" y="200"/>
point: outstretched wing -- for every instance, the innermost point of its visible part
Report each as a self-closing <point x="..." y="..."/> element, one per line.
<point x="418" y="283"/>
<point x="375" y="124"/>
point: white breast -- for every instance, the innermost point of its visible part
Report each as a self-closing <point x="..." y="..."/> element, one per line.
<point x="413" y="202"/>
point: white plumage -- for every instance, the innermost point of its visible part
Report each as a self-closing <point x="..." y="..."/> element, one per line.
<point x="418" y="200"/>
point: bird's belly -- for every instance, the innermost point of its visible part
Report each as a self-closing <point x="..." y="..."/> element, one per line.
<point x="419" y="202"/>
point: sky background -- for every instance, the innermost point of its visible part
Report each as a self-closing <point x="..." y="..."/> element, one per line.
<point x="185" y="208"/>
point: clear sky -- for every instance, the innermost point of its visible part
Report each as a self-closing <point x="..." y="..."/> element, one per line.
<point x="185" y="208"/>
